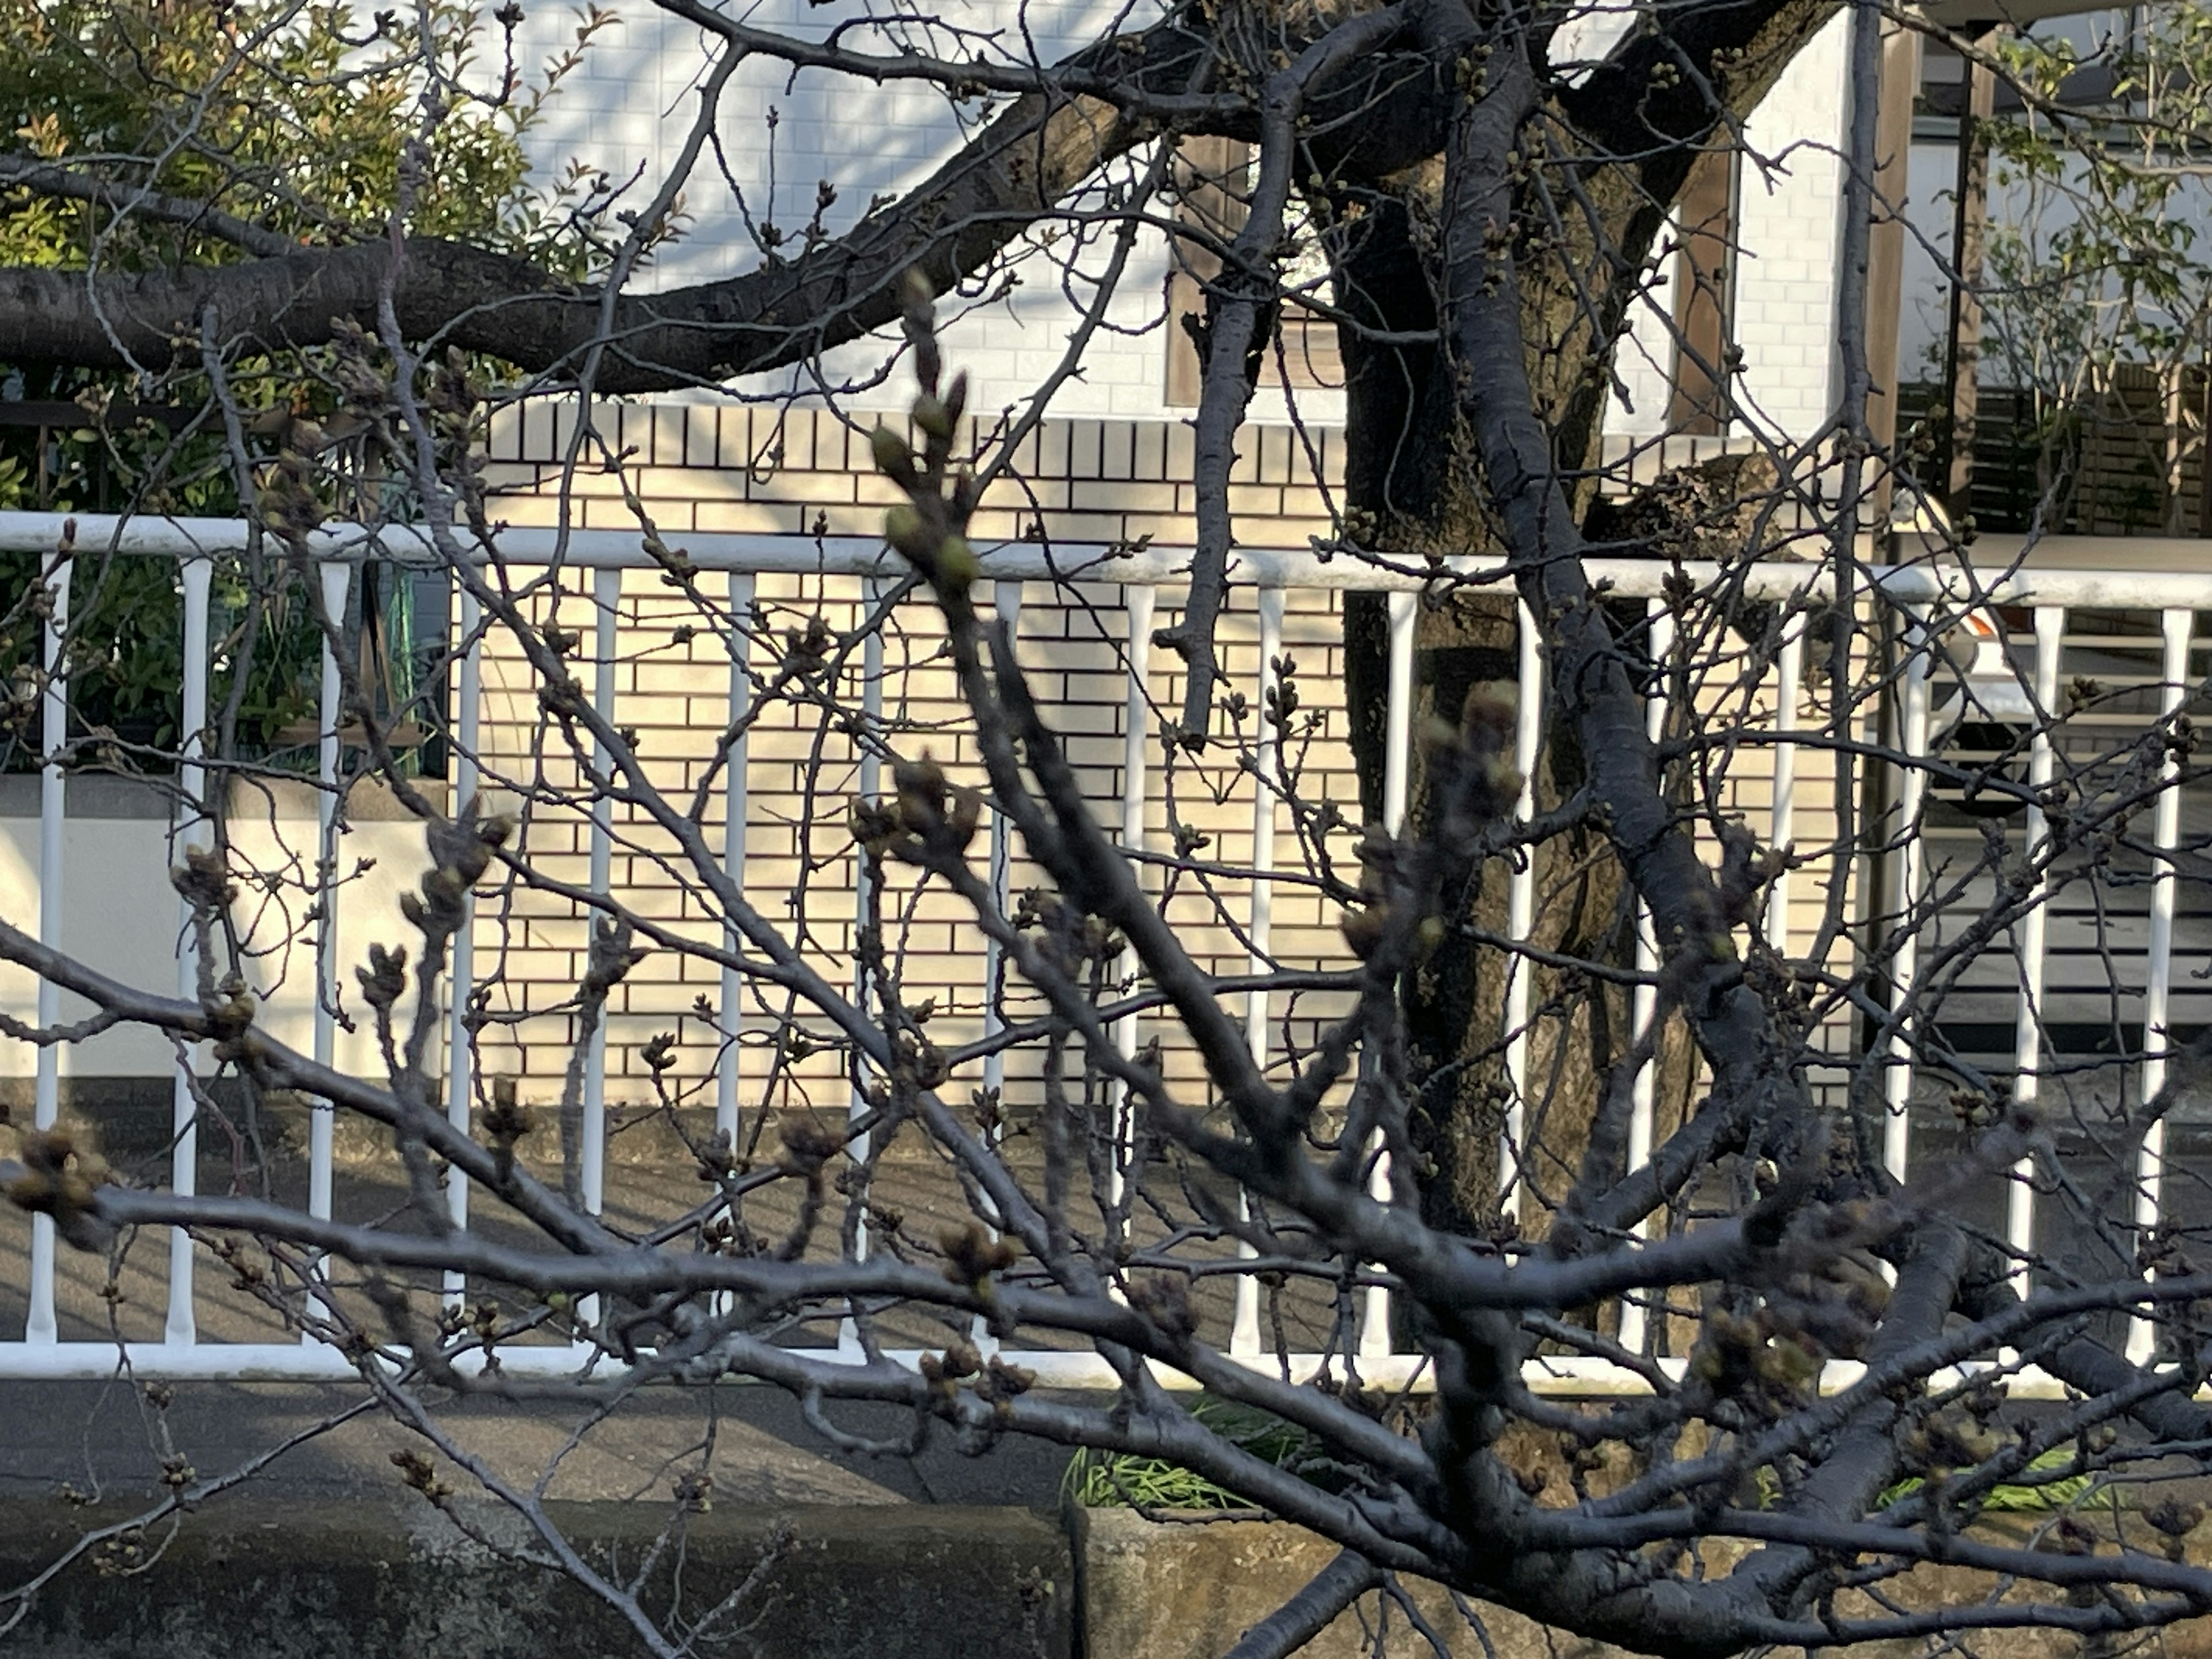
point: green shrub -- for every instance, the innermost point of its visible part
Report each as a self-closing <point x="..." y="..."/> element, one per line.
<point x="1099" y="1480"/>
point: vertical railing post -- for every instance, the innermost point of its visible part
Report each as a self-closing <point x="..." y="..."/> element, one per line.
<point x="1405" y="607"/>
<point x="1007" y="603"/>
<point x="1912" y="794"/>
<point x="1782" y="815"/>
<point x="181" y="1328"/>
<point x="1267" y="762"/>
<point x="857" y="1143"/>
<point x="607" y="611"/>
<point x="2175" y="626"/>
<point x="1521" y="913"/>
<point x="1136" y="721"/>
<point x="736" y="781"/>
<point x="466" y="725"/>
<point x="871" y="786"/>
<point x="1644" y="1004"/>
<point x="334" y="578"/>
<point x="592" y="1152"/>
<point x="2027" y="1020"/>
<point x="39" y="1326"/>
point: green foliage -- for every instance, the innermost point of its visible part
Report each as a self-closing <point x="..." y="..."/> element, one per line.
<point x="315" y="122"/>
<point x="2095" y="249"/>
<point x="2097" y="290"/>
<point x="294" y="118"/>
<point x="1098" y="1479"/>
<point x="125" y="657"/>
<point x="311" y="122"/>
<point x="2040" y="1496"/>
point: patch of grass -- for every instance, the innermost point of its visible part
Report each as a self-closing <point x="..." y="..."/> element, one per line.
<point x="1102" y="1481"/>
<point x="2042" y="1496"/>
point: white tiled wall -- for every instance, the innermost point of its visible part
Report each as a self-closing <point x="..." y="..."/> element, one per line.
<point x="628" y="109"/>
<point x="1789" y="221"/>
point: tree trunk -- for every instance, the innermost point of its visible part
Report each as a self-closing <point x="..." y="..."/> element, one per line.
<point x="1410" y="490"/>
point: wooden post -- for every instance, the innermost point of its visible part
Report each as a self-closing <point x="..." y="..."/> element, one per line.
<point x="1900" y="81"/>
<point x="1204" y="169"/>
<point x="1211" y="182"/>
<point x="1705" y="289"/>
<point x="1962" y="353"/>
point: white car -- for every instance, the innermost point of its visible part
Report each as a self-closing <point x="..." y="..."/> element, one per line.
<point x="1982" y="715"/>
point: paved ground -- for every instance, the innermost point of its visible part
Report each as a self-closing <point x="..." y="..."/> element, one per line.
<point x="104" y="1437"/>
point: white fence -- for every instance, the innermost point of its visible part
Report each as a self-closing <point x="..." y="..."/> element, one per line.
<point x="2054" y="596"/>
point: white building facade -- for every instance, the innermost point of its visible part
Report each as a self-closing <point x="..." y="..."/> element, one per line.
<point x="628" y="109"/>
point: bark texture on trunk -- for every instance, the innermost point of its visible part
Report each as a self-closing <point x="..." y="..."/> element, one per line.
<point x="1411" y="489"/>
<point x="1586" y="225"/>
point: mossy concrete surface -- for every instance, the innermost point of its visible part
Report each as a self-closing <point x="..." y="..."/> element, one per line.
<point x="1178" y="1590"/>
<point x="251" y="1576"/>
<point x="254" y="1578"/>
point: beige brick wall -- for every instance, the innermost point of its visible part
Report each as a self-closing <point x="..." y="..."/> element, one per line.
<point x="802" y="772"/>
<point x="800" y="472"/>
<point x="704" y="469"/>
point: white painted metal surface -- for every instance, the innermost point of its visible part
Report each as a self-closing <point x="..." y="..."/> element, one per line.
<point x="53" y="698"/>
<point x="180" y="1353"/>
<point x="2175" y="627"/>
<point x="1136" y="722"/>
<point x="1521" y="919"/>
<point x="1910" y="859"/>
<point x="1267" y="760"/>
<point x="729" y="1065"/>
<point x="460" y="1049"/>
<point x="2028" y="1027"/>
<point x="197" y="575"/>
<point x="1644" y="1004"/>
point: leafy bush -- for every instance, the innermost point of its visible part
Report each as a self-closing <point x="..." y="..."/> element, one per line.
<point x="1100" y="1480"/>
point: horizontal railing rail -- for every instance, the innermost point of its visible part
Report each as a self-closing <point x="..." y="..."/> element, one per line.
<point x="1928" y="579"/>
<point x="1140" y="573"/>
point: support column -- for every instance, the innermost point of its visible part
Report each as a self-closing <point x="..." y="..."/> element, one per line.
<point x="1900" y="83"/>
<point x="1962" y="353"/>
<point x="1705" y="295"/>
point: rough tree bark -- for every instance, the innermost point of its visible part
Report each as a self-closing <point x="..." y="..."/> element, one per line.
<point x="1494" y="227"/>
<point x="1586" y="221"/>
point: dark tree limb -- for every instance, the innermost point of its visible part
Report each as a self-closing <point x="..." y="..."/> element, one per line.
<point x="44" y="178"/>
<point x="1311" y="1610"/>
<point x="1240" y="314"/>
<point x="1041" y="148"/>
<point x="1544" y="550"/>
<point x="1014" y="173"/>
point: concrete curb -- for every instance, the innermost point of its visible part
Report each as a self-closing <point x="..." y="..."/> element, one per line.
<point x="1181" y="1591"/>
<point x="251" y="1577"/>
<point x="256" y="1578"/>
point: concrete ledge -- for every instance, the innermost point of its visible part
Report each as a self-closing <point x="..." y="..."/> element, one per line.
<point x="257" y="1577"/>
<point x="254" y="1578"/>
<point x="272" y="795"/>
<point x="1189" y="1589"/>
<point x="1152" y="1590"/>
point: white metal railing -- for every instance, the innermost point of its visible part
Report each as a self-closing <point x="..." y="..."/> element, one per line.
<point x="2055" y="595"/>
